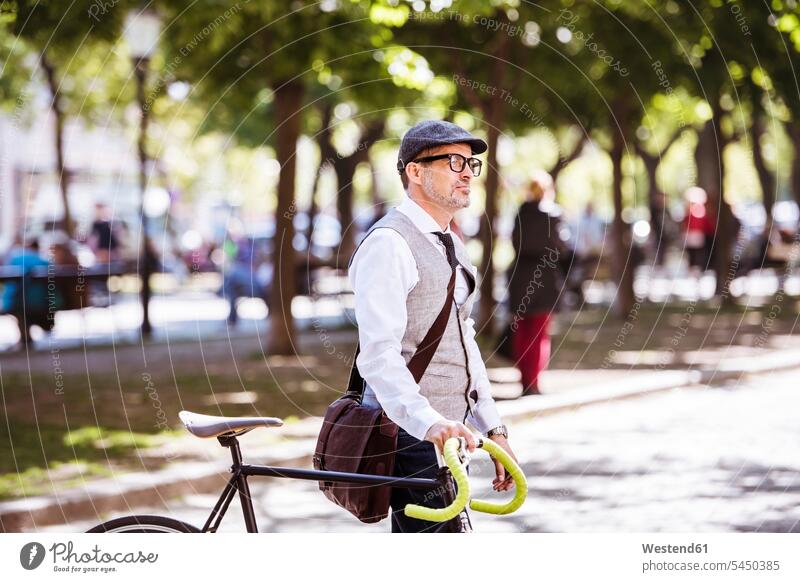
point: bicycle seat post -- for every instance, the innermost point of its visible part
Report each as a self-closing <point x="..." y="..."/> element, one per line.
<point x="230" y="441"/>
<point x="239" y="479"/>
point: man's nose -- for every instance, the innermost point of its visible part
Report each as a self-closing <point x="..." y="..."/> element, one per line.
<point x="466" y="173"/>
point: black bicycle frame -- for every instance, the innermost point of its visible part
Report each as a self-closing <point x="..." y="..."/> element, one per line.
<point x="241" y="471"/>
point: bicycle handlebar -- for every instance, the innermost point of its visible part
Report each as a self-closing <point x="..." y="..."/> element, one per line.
<point x="513" y="469"/>
<point x="459" y="470"/>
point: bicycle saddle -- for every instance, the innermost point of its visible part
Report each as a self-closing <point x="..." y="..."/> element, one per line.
<point x="205" y="426"/>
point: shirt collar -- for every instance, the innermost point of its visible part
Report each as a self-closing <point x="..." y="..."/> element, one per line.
<point x="419" y="216"/>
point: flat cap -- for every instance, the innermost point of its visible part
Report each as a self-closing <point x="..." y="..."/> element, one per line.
<point x="432" y="133"/>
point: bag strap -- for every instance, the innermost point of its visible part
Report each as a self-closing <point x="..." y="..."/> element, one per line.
<point x="424" y="353"/>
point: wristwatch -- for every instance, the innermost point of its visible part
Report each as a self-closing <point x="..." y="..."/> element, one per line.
<point x="501" y="430"/>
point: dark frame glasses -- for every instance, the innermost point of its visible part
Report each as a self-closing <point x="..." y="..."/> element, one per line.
<point x="457" y="162"/>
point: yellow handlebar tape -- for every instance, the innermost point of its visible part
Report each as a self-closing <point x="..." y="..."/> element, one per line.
<point x="513" y="469"/>
<point x="460" y="475"/>
<point x="459" y="472"/>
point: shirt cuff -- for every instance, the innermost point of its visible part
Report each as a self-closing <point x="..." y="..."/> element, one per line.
<point x="418" y="425"/>
<point x="485" y="417"/>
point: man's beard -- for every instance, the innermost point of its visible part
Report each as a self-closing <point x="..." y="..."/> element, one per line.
<point x="454" y="199"/>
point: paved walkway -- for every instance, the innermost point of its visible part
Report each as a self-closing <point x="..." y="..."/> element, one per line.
<point x="293" y="444"/>
<point x="698" y="460"/>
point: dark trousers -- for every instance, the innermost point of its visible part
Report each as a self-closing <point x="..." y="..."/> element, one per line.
<point x="416" y="458"/>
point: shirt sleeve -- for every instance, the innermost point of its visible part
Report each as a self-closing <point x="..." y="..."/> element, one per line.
<point x="382" y="274"/>
<point x="484" y="415"/>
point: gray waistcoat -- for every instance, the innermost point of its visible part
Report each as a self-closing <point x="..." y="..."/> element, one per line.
<point x="446" y="383"/>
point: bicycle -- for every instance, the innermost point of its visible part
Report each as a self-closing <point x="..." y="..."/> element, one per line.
<point x="453" y="465"/>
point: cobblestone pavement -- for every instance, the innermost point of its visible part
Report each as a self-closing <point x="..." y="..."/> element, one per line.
<point x="689" y="460"/>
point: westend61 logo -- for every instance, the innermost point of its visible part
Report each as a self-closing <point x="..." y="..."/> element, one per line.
<point x="66" y="559"/>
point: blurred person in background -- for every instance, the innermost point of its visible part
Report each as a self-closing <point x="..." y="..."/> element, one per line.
<point x="239" y="277"/>
<point x="664" y="228"/>
<point x="589" y="239"/>
<point x="27" y="300"/>
<point x="73" y="292"/>
<point x="105" y="244"/>
<point x="535" y="280"/>
<point x="697" y="228"/>
<point x="102" y="238"/>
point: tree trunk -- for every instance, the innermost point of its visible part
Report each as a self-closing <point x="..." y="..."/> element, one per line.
<point x="377" y="201"/>
<point x="651" y="167"/>
<point x="765" y="176"/>
<point x="494" y="110"/>
<point x="288" y="104"/>
<point x="651" y="163"/>
<point x="58" y="114"/>
<point x="345" y="170"/>
<point x="710" y="176"/>
<point x="563" y="162"/>
<point x="313" y="209"/>
<point x="657" y="206"/>
<point x="708" y="160"/>
<point x="494" y="118"/>
<point x="146" y="259"/>
<point x="793" y="129"/>
<point x="622" y="266"/>
<point x="325" y="156"/>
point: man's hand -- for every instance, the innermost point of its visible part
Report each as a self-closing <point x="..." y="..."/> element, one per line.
<point x="503" y="481"/>
<point x="440" y="431"/>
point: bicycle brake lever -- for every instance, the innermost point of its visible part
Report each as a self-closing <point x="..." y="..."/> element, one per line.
<point x="464" y="456"/>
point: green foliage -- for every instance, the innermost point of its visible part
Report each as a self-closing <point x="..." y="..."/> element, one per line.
<point x="551" y="66"/>
<point x="80" y="45"/>
<point x="14" y="71"/>
<point x="236" y="55"/>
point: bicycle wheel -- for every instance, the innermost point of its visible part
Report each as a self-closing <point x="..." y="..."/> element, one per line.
<point x="144" y="524"/>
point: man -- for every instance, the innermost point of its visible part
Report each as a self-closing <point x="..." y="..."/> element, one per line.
<point x="103" y="239"/>
<point x="399" y="274"/>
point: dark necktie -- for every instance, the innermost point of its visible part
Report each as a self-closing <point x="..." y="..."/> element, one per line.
<point x="449" y="247"/>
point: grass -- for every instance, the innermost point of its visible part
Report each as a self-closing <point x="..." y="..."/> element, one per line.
<point x="40" y="455"/>
<point x="86" y="424"/>
<point x="37" y="481"/>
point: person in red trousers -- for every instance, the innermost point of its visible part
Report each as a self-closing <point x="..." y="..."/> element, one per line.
<point x="535" y="280"/>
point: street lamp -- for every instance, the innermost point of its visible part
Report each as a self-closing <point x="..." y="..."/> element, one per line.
<point x="142" y="30"/>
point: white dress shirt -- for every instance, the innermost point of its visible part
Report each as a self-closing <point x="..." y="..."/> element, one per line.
<point x="383" y="272"/>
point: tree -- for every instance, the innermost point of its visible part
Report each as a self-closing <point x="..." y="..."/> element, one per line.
<point x="778" y="44"/>
<point x="618" y="49"/>
<point x="651" y="160"/>
<point x="714" y="48"/>
<point x="262" y="59"/>
<point x="14" y="74"/>
<point x="372" y="91"/>
<point x="74" y="50"/>
<point x="489" y="64"/>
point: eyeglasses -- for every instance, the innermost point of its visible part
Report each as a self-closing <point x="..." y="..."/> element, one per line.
<point x="457" y="162"/>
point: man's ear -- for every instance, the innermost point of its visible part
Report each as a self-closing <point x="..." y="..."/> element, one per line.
<point x="413" y="173"/>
